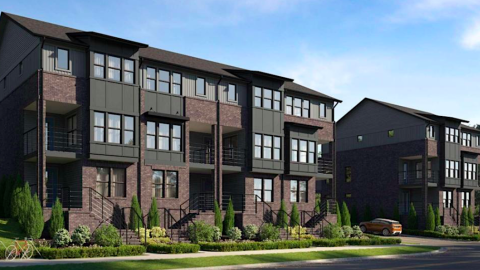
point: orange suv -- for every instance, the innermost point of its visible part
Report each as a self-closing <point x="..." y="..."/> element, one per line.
<point x="382" y="225"/>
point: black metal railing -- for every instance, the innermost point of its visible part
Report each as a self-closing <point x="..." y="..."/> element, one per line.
<point x="233" y="156"/>
<point x="56" y="139"/>
<point x="416" y="177"/>
<point x="202" y="153"/>
<point x="68" y="196"/>
<point x="127" y="226"/>
<point x="201" y="202"/>
<point x="238" y="201"/>
<point x="325" y="165"/>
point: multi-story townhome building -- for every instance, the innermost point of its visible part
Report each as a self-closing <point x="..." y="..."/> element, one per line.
<point x="391" y="156"/>
<point x="94" y="119"/>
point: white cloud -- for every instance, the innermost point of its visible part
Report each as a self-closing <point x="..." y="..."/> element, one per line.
<point x="471" y="36"/>
<point x="432" y="10"/>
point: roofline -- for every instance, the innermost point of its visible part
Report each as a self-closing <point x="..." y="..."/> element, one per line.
<point x="469" y="128"/>
<point x="117" y="39"/>
<point x="261" y="73"/>
<point x="318" y="96"/>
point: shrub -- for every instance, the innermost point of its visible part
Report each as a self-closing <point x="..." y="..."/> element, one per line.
<point x="347" y="231"/>
<point x="57" y="220"/>
<point x="158" y="240"/>
<point x="35" y="224"/>
<point x="176" y="248"/>
<point x="218" y="216"/>
<point x="430" y="226"/>
<point x="135" y="215"/>
<point x="356" y="232"/>
<point x="157" y="232"/>
<point x="268" y="232"/>
<point x="346" y="215"/>
<point x="89" y="252"/>
<point x="470" y="217"/>
<point x="355" y="242"/>
<point x="17" y="206"/>
<point x="441" y="229"/>
<point x="229" y="220"/>
<point x="333" y="231"/>
<point x="61" y="238"/>
<point x="317" y="205"/>
<point x="294" y="216"/>
<point x="199" y="231"/>
<point x="250" y="231"/>
<point x="339" y="214"/>
<point x="217" y="234"/>
<point x="452" y="230"/>
<point x="153" y="216"/>
<point x="463" y="217"/>
<point x="81" y="235"/>
<point x="444" y="236"/>
<point x="107" y="236"/>
<point x="234" y="234"/>
<point x="462" y="230"/>
<point x="438" y="221"/>
<point x="282" y="219"/>
<point x="412" y="218"/>
<point x="297" y="231"/>
<point x="143" y="234"/>
<point x="243" y="246"/>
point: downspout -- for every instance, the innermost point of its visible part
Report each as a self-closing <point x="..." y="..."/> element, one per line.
<point x="219" y="151"/>
<point x="139" y="163"/>
<point x="334" y="153"/>
<point x="40" y="129"/>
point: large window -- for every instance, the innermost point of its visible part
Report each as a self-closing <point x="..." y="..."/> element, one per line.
<point x="297" y="106"/>
<point x="165" y="187"/>
<point x="294" y="150"/>
<point x="63" y="61"/>
<point x="263" y="188"/>
<point x="99" y="127"/>
<point x="452" y="135"/>
<point x="151" y="135"/>
<point x="129" y="71"/>
<point x="303" y="151"/>
<point x="469" y="171"/>
<point x="323" y="110"/>
<point x="277" y="148"/>
<point x="111" y="182"/>
<point x="232" y="92"/>
<point x="169" y="136"/>
<point x="114" y="68"/>
<point x="114" y="128"/>
<point x="306" y="108"/>
<point x="447" y="199"/>
<point x="465" y="199"/>
<point x="466" y="139"/>
<point x="348" y="174"/>
<point x="163" y="136"/>
<point x="451" y="169"/>
<point x="267" y="146"/>
<point x="164" y="81"/>
<point x="289" y="105"/>
<point x="298" y="191"/>
<point x="129" y="130"/>
<point x="268" y="99"/>
<point x="151" y="78"/>
<point x="201" y="87"/>
<point x="99" y="65"/>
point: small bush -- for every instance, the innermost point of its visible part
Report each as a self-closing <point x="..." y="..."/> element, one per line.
<point x="176" y="248"/>
<point x="412" y="218"/>
<point x="268" y="232"/>
<point x="339" y="215"/>
<point x="158" y="240"/>
<point x="437" y="234"/>
<point x="451" y="230"/>
<point x="242" y="246"/>
<point x="346" y="220"/>
<point x="294" y="216"/>
<point x="36" y="224"/>
<point x="143" y="234"/>
<point x="356" y="232"/>
<point x="217" y="234"/>
<point x="462" y="230"/>
<point x="250" y="231"/>
<point x="158" y="232"/>
<point x="347" y="231"/>
<point x="234" y="234"/>
<point x="355" y="242"/>
<point x="81" y="235"/>
<point x="199" y="231"/>
<point x="61" y="238"/>
<point x="89" y="252"/>
<point x="430" y="226"/>
<point x="441" y="229"/>
<point x="107" y="236"/>
<point x="57" y="221"/>
<point x="333" y="231"/>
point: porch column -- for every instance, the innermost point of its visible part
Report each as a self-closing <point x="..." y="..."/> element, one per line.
<point x="41" y="160"/>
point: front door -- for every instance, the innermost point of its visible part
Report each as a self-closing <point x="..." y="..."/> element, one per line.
<point x="51" y="179"/>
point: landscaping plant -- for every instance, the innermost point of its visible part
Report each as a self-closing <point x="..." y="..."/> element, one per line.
<point x="158" y="232"/>
<point x="412" y="218"/>
<point x="470" y="217"/>
<point x="234" y="234"/>
<point x="81" y="235"/>
<point x="135" y="215"/>
<point x="339" y="214"/>
<point x="153" y="216"/>
<point x="464" y="217"/>
<point x="438" y="221"/>
<point x="347" y="231"/>
<point x="294" y="216"/>
<point x="332" y="231"/>
<point x="357" y="232"/>
<point x="200" y="231"/>
<point x="346" y="215"/>
<point x="35" y="225"/>
<point x="229" y="220"/>
<point x="317" y="205"/>
<point x="61" y="238"/>
<point x="217" y="234"/>
<point x="268" y="232"/>
<point x="218" y="216"/>
<point x="430" y="226"/>
<point x="18" y="197"/>
<point x="250" y="231"/>
<point x="57" y="220"/>
<point x="107" y="236"/>
<point x="282" y="219"/>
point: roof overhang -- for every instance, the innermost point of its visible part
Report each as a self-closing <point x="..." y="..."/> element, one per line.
<point x="108" y="37"/>
<point x="170" y="116"/>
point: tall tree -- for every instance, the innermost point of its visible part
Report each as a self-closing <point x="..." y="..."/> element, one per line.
<point x="218" y="216"/>
<point x="317" y="205"/>
<point x="282" y="219"/>
<point x="346" y="215"/>
<point x="36" y="224"/>
<point x="339" y="214"/>
<point x="294" y="216"/>
<point x="229" y="220"/>
<point x="412" y="218"/>
<point x="153" y="216"/>
<point x="438" y="221"/>
<point x="430" y="226"/>
<point x="135" y="215"/>
<point x="57" y="220"/>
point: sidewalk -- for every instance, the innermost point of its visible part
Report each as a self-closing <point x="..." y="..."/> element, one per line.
<point x="201" y="254"/>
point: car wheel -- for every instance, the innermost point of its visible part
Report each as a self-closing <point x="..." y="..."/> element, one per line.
<point x="363" y="229"/>
<point x="385" y="232"/>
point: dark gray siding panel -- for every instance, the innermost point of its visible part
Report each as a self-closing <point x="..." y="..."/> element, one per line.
<point x="164" y="103"/>
<point x="164" y="157"/>
<point x="114" y="150"/>
<point x="114" y="97"/>
<point x="78" y="60"/>
<point x="267" y="121"/>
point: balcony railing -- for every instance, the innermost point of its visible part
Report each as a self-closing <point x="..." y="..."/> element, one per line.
<point x="325" y="165"/>
<point x="416" y="177"/>
<point x="202" y="153"/>
<point x="233" y="157"/>
<point x="56" y="139"/>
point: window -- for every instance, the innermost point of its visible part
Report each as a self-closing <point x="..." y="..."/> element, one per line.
<point x="151" y="78"/>
<point x="103" y="180"/>
<point x="169" y="136"/>
<point x="470" y="171"/>
<point x="114" y="67"/>
<point x="418" y="170"/>
<point x="72" y="130"/>
<point x="267" y="98"/>
<point x="391" y="133"/>
<point x="232" y="92"/>
<point x="311" y="152"/>
<point x="298" y="191"/>
<point x="348" y="174"/>
<point x="276" y="148"/>
<point x="118" y="182"/>
<point x="164" y="84"/>
<point x="111" y="182"/>
<point x="20" y="68"/>
<point x="431" y="132"/>
<point x="297" y="107"/>
<point x="451" y="169"/>
<point x="466" y="139"/>
<point x="99" y="127"/>
<point x="177" y="84"/>
<point x="465" y="199"/>
<point x="176" y="138"/>
<point x="289" y="105"/>
<point x="267" y="146"/>
<point x="129" y="71"/>
<point x="114" y="128"/>
<point x="99" y="65"/>
<point x="360" y="138"/>
<point x="151" y="135"/>
<point x="164" y="136"/>
<point x="263" y="188"/>
<point x="319" y="150"/>
<point x="258" y="145"/>
<point x="294" y="150"/>
<point x="264" y="144"/>
<point x="303" y="151"/>
<point x="323" y="110"/>
<point x="447" y="199"/>
<point x="452" y="135"/>
<point x="277" y="100"/>
<point x="258" y="97"/>
<point x="165" y="188"/>
<point x="306" y="108"/>
<point x="201" y="87"/>
<point x="63" y="59"/>
<point x="129" y="130"/>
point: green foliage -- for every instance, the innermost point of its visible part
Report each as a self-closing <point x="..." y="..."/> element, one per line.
<point x="17" y="207"/>
<point x="355" y="242"/>
<point x="153" y="216"/>
<point x="57" y="221"/>
<point x="357" y="232"/>
<point x="437" y="234"/>
<point x="61" y="238"/>
<point x="107" y="236"/>
<point x="81" y="235"/>
<point x="200" y="231"/>
<point x="430" y="226"/>
<point x="157" y="232"/>
<point x="294" y="216"/>
<point x="90" y="252"/>
<point x="25" y="215"/>
<point x="229" y="220"/>
<point x="35" y="223"/>
<point x="412" y="218"/>
<point x="438" y="221"/>
<point x="345" y="215"/>
<point x="7" y="196"/>
<point x="250" y="231"/>
<point x="354" y="216"/>
<point x="339" y="215"/>
<point x="464" y="217"/>
<point x="268" y="232"/>
<point x="367" y="214"/>
<point x="470" y="217"/>
<point x="243" y="246"/>
<point x="347" y="231"/>
<point x="396" y="213"/>
<point x="317" y="205"/>
<point x="217" y="234"/>
<point x="218" y="216"/>
<point x="234" y="234"/>
<point x="177" y="248"/>
<point x="333" y="231"/>
<point x="282" y="219"/>
<point x="135" y="215"/>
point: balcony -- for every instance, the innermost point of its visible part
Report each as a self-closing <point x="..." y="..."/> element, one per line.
<point x="414" y="178"/>
<point x="233" y="157"/>
<point x="202" y="153"/>
<point x="56" y="140"/>
<point x="325" y="166"/>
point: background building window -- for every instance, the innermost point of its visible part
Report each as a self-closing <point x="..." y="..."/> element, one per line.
<point x="63" y="59"/>
<point x="277" y="100"/>
<point x="258" y="97"/>
<point x="129" y="71"/>
<point x="72" y="130"/>
<point x="447" y="199"/>
<point x="114" y="68"/>
<point x="391" y="133"/>
<point x="164" y="84"/>
<point x="114" y="128"/>
<point x="201" y="87"/>
<point x="360" y="138"/>
<point x="151" y="135"/>
<point x="289" y="105"/>
<point x="348" y="174"/>
<point x="129" y="130"/>
<point x="99" y="65"/>
<point x="451" y="169"/>
<point x="465" y="199"/>
<point x="267" y="98"/>
<point x="431" y="132"/>
<point x="177" y="84"/>
<point x="232" y="92"/>
<point x="151" y="78"/>
<point x="99" y="127"/>
<point x="263" y="188"/>
<point x="348" y="195"/>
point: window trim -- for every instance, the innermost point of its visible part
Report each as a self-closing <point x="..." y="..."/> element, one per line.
<point x="110" y="182"/>
<point x="262" y="189"/>
<point x="160" y="81"/>
<point x="147" y="79"/>
<point x="298" y="191"/>
<point x="98" y="65"/>
<point x="68" y="59"/>
<point x="204" y="87"/>
<point x="164" y="184"/>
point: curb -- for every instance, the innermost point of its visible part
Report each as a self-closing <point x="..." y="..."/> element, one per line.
<point x="322" y="261"/>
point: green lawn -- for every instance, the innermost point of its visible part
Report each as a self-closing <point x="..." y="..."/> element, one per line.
<point x="234" y="259"/>
<point x="9" y="230"/>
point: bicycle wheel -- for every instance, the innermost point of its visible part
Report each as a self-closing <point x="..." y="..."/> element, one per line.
<point x="10" y="253"/>
<point x="28" y="253"/>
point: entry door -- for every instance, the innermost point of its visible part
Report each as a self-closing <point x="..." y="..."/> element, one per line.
<point x="49" y="127"/>
<point x="51" y="178"/>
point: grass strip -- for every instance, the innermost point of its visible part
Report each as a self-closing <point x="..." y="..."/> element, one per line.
<point x="9" y="230"/>
<point x="235" y="259"/>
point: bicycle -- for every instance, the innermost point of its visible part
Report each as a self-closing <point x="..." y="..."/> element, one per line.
<point x="23" y="249"/>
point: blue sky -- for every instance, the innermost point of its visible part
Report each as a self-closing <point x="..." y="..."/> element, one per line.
<point x="418" y="53"/>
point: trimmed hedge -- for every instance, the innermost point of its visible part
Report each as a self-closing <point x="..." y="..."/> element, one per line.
<point x="173" y="248"/>
<point x="435" y="234"/>
<point x="89" y="252"/>
<point x="242" y="246"/>
<point x="373" y="241"/>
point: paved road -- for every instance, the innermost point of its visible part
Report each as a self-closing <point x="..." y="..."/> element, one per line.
<point x="459" y="256"/>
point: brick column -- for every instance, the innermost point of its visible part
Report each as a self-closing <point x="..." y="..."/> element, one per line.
<point x="41" y="160"/>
